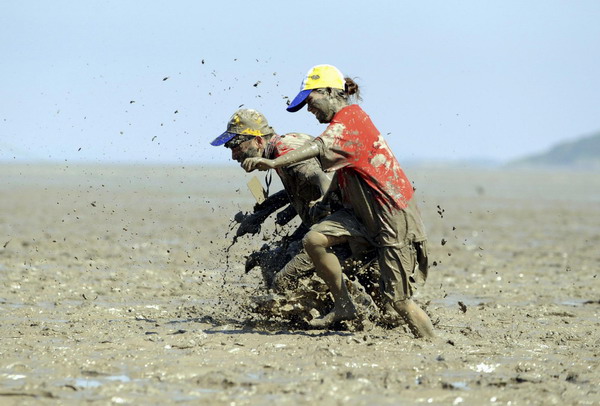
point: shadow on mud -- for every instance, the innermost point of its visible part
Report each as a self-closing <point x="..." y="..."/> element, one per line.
<point x="263" y="327"/>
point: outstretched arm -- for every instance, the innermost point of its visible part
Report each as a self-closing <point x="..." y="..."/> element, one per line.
<point x="303" y="153"/>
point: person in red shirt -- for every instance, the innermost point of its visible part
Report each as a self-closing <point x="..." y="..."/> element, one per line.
<point x="375" y="191"/>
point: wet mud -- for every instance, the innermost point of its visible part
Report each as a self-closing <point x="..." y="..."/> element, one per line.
<point x="117" y="288"/>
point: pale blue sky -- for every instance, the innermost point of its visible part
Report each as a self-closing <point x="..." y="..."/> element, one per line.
<point x="447" y="79"/>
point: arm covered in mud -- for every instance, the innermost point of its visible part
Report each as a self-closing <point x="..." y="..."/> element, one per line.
<point x="286" y="215"/>
<point x="250" y="223"/>
<point x="310" y="150"/>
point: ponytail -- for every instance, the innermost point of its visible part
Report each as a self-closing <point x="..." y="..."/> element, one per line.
<point x="351" y="89"/>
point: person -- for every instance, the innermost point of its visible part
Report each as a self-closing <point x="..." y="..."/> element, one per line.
<point x="249" y="134"/>
<point x="373" y="186"/>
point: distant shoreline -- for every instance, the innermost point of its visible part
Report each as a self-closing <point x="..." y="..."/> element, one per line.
<point x="234" y="166"/>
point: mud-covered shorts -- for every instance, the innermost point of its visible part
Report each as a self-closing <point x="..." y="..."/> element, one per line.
<point x="401" y="269"/>
<point x="343" y="223"/>
<point x="402" y="261"/>
<point x="339" y="223"/>
<point x="402" y="251"/>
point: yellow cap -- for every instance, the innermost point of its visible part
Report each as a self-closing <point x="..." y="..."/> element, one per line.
<point x="323" y="76"/>
<point x="317" y="77"/>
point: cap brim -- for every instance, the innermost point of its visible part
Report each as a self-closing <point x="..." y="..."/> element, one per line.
<point x="299" y="101"/>
<point x="223" y="138"/>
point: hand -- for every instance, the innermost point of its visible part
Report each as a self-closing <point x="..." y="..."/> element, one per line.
<point x="261" y="164"/>
<point x="249" y="225"/>
<point x="285" y="216"/>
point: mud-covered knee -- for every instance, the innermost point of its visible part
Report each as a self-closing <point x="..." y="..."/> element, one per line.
<point x="312" y="240"/>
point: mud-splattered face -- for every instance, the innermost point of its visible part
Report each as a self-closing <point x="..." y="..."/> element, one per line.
<point x="322" y="105"/>
<point x="242" y="148"/>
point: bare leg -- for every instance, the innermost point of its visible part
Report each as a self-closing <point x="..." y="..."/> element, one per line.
<point x="418" y="321"/>
<point x="329" y="269"/>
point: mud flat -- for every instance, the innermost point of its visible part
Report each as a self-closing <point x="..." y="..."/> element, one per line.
<point x="116" y="288"/>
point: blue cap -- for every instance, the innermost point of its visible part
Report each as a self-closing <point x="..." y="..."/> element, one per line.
<point x="299" y="101"/>
<point x="223" y="138"/>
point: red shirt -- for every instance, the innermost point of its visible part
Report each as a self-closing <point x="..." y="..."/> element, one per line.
<point x="353" y="144"/>
<point x="282" y="144"/>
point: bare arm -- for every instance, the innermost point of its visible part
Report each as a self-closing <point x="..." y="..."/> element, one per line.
<point x="303" y="153"/>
